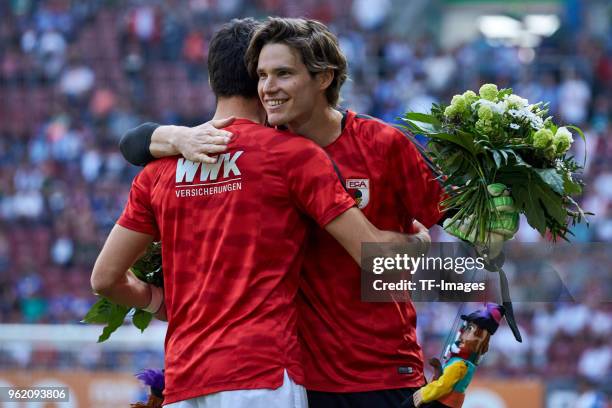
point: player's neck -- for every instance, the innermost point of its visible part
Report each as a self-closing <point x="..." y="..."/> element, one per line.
<point x="323" y="127"/>
<point x="239" y="107"/>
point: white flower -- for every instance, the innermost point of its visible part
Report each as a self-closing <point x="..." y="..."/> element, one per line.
<point x="514" y="126"/>
<point x="498" y="107"/>
<point x="563" y="132"/>
<point x="535" y="121"/>
<point x="515" y="101"/>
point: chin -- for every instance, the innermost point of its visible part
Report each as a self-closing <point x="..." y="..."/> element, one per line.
<point x="277" y="120"/>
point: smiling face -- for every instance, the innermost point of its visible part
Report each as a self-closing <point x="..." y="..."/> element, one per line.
<point x="288" y="92"/>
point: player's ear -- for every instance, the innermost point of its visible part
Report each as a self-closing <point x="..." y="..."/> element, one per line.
<point x="325" y="79"/>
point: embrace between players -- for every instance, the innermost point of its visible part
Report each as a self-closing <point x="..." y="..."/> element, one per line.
<point x="261" y="262"/>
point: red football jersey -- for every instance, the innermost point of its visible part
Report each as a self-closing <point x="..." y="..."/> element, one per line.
<point x="350" y="345"/>
<point x="232" y="248"/>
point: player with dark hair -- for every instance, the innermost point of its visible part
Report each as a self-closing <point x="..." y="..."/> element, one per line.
<point x="232" y="237"/>
<point x="227" y="77"/>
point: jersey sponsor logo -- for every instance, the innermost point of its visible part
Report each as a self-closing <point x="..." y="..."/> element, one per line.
<point x="219" y="177"/>
<point x="186" y="169"/>
<point x="359" y="189"/>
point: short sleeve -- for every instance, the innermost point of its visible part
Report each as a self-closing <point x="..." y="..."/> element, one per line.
<point x="418" y="189"/>
<point x="138" y="213"/>
<point x="314" y="185"/>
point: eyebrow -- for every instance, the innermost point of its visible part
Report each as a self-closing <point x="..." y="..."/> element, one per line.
<point x="276" y="69"/>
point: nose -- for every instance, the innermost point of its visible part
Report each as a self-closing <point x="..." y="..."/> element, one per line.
<point x="269" y="85"/>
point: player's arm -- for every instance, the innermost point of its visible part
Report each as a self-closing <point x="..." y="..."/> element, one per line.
<point x="111" y="277"/>
<point x="316" y="189"/>
<point x="135" y="229"/>
<point x="149" y="141"/>
<point x="352" y="228"/>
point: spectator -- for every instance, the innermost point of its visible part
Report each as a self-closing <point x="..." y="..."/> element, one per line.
<point x="574" y="98"/>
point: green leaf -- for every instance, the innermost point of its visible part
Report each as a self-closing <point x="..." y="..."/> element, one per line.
<point x="453" y="163"/>
<point x="497" y="157"/>
<point x="520" y="161"/>
<point x="140" y="274"/>
<point x="141" y="319"/>
<point x="417" y="128"/>
<point x="581" y="134"/>
<point x="570" y="186"/>
<point x="117" y="316"/>
<point x="148" y="267"/>
<point x="462" y="140"/>
<point x="551" y="202"/>
<point x="467" y="139"/>
<point x="100" y="312"/>
<point x="542" y="206"/>
<point x="512" y="153"/>
<point x="520" y="197"/>
<point x="552" y="178"/>
<point x="422" y="117"/>
<point x="504" y="155"/>
<point x="535" y="214"/>
<point x="581" y="214"/>
<point x="526" y="200"/>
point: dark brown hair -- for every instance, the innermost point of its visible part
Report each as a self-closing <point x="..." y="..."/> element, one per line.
<point x="317" y="45"/>
<point x="227" y="72"/>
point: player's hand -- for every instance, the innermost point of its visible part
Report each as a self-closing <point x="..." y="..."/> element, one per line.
<point x="202" y="143"/>
<point x="421" y="236"/>
<point x="161" y="313"/>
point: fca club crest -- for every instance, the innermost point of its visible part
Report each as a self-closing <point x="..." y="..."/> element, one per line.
<point x="359" y="189"/>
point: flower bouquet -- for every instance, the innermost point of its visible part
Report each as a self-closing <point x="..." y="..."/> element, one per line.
<point x="148" y="268"/>
<point x="500" y="156"/>
<point x="497" y="154"/>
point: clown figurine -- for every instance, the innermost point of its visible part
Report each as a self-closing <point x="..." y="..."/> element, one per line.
<point x="462" y="357"/>
<point x="154" y="379"/>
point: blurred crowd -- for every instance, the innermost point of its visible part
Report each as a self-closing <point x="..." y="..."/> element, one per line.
<point x="74" y="76"/>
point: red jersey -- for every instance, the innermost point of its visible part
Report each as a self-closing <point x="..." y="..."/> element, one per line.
<point x="350" y="345"/>
<point x="232" y="248"/>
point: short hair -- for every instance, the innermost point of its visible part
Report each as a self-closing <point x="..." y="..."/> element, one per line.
<point x="317" y="45"/>
<point x="226" y="68"/>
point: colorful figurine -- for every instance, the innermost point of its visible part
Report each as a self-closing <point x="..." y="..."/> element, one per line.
<point x="155" y="380"/>
<point x="451" y="380"/>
